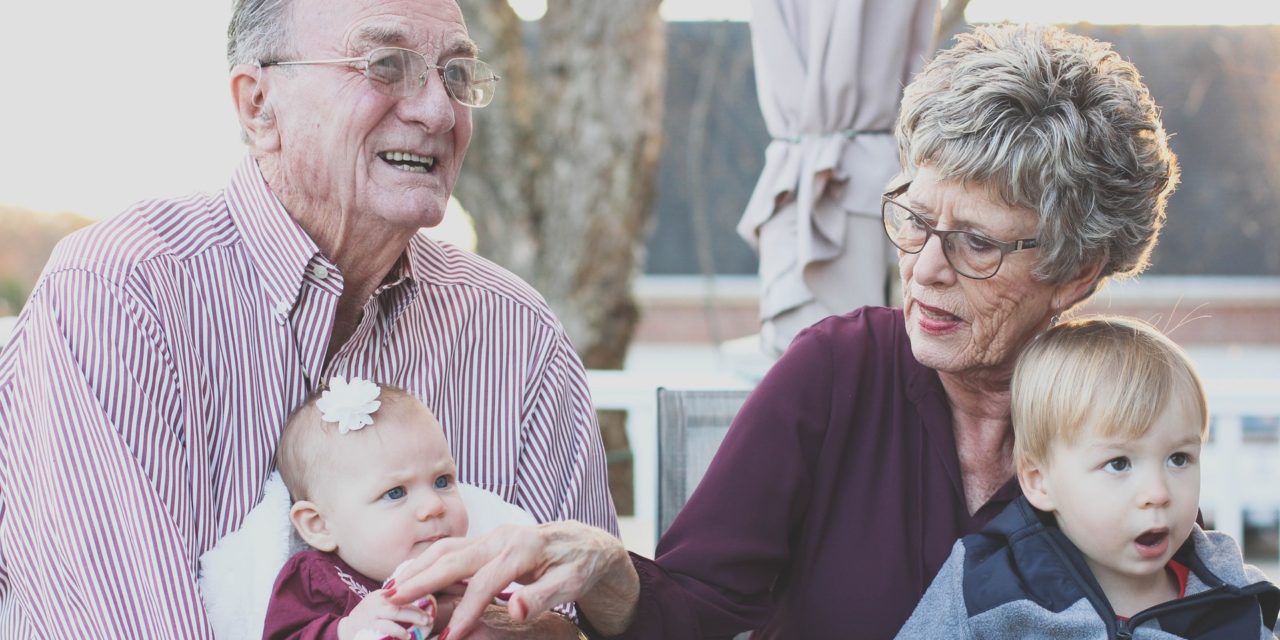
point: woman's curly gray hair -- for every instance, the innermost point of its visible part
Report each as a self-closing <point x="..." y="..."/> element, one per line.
<point x="1054" y="122"/>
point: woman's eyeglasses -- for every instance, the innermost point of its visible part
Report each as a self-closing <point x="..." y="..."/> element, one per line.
<point x="972" y="255"/>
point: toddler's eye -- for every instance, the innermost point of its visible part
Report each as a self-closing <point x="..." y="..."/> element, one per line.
<point x="444" y="482"/>
<point x="395" y="493"/>
<point x="1117" y="465"/>
<point x="1179" y="460"/>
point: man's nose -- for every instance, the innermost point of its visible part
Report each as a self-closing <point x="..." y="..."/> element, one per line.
<point x="431" y="105"/>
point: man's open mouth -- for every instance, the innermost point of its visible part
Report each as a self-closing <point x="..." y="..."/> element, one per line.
<point x="406" y="161"/>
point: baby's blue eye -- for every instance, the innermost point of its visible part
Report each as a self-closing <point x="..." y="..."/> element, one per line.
<point x="444" y="482"/>
<point x="1117" y="465"/>
<point x="394" y="494"/>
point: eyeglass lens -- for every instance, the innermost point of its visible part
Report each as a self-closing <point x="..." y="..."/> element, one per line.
<point x="401" y="73"/>
<point x="970" y="254"/>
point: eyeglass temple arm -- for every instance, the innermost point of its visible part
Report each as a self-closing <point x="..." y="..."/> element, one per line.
<point x="302" y="62"/>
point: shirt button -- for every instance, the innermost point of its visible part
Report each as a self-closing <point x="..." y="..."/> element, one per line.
<point x="282" y="308"/>
<point x="320" y="272"/>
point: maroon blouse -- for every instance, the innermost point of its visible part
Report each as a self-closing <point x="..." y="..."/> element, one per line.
<point x="313" y="592"/>
<point x="833" y="501"/>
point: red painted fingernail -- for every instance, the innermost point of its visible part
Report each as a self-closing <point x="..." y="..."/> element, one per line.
<point x="444" y="635"/>
<point x="389" y="592"/>
<point x="390" y="584"/>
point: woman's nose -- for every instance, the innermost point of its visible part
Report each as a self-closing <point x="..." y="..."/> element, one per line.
<point x="931" y="266"/>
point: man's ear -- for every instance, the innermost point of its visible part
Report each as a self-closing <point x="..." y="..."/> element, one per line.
<point x="1035" y="487"/>
<point x="249" y="93"/>
<point x="312" y="526"/>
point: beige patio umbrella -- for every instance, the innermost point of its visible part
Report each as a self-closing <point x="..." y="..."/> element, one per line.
<point x="830" y="75"/>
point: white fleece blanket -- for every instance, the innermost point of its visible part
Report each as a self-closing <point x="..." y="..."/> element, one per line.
<point x="236" y="576"/>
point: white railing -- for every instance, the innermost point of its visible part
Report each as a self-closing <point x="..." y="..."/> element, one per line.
<point x="1239" y="473"/>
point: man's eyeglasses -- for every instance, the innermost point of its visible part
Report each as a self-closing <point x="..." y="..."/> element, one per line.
<point x="401" y="73"/>
<point x="972" y="255"/>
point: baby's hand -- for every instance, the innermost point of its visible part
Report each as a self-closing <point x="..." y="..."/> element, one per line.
<point x="375" y="618"/>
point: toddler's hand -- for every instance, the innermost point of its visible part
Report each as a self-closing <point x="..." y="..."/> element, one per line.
<point x="375" y="617"/>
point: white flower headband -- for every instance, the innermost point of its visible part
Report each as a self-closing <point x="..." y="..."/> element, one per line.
<point x="350" y="404"/>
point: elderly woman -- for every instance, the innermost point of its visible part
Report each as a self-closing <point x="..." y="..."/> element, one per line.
<point x="1035" y="168"/>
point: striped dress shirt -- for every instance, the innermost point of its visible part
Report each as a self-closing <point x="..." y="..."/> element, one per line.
<point x="145" y="384"/>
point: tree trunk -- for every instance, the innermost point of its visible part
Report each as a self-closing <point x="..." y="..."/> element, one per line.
<point x="560" y="176"/>
<point x="951" y="21"/>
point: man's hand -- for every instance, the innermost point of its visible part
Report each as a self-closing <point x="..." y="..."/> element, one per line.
<point x="376" y="617"/>
<point x="557" y="562"/>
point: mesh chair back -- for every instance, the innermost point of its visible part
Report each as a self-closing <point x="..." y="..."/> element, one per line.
<point x="691" y="425"/>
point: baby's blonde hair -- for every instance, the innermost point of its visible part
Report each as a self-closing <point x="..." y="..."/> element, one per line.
<point x="1115" y="374"/>
<point x="301" y="453"/>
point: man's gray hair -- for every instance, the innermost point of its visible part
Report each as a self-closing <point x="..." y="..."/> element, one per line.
<point x="258" y="30"/>
<point x="1054" y="122"/>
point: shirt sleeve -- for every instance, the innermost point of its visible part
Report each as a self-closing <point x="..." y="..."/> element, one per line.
<point x="562" y="473"/>
<point x="97" y="514"/>
<point x="299" y="610"/>
<point x="717" y="563"/>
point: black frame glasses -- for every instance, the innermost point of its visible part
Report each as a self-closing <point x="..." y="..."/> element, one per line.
<point x="401" y="73"/>
<point x="970" y="254"/>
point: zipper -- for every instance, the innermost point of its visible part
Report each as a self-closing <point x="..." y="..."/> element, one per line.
<point x="1209" y="595"/>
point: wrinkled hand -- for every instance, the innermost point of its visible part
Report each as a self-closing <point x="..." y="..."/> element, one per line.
<point x="378" y="615"/>
<point x="557" y="562"/>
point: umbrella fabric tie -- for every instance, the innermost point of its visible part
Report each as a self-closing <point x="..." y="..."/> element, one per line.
<point x="848" y="133"/>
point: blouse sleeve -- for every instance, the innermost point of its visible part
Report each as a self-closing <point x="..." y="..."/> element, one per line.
<point x="726" y="548"/>
<point x="300" y="608"/>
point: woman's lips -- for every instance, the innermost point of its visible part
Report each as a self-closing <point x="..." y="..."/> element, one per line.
<point x="1152" y="543"/>
<point x="936" y="321"/>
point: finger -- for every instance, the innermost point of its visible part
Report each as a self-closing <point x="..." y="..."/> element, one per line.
<point x="429" y="557"/>
<point x="436" y="570"/>
<point x="482" y="587"/>
<point x="387" y="628"/>
<point x="555" y="587"/>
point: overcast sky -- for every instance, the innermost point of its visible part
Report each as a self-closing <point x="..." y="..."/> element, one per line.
<point x="107" y="102"/>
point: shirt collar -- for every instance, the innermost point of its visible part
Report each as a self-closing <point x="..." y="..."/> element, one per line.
<point x="277" y="246"/>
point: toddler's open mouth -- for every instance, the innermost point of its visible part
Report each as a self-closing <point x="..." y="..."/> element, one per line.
<point x="1153" y="542"/>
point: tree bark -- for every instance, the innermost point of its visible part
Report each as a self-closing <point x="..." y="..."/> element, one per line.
<point x="560" y="175"/>
<point x="951" y="21"/>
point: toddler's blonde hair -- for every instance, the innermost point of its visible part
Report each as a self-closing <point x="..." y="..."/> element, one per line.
<point x="1114" y="374"/>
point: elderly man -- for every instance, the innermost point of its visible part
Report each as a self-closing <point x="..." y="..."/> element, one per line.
<point x="142" y="394"/>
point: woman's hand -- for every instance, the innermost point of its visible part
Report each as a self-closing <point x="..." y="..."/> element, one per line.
<point x="557" y="562"/>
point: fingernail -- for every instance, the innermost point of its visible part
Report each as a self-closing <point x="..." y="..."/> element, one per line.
<point x="444" y="635"/>
<point x="389" y="584"/>
<point x="389" y="592"/>
<point x="522" y="611"/>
